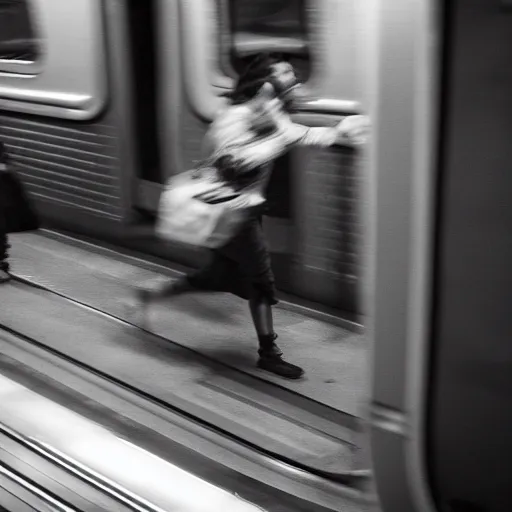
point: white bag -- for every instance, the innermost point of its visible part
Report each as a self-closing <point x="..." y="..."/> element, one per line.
<point x="200" y="209"/>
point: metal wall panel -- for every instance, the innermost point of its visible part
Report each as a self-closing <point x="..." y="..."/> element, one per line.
<point x="65" y="162"/>
<point x="71" y="165"/>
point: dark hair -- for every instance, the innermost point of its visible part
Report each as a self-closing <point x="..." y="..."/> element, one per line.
<point x="257" y="71"/>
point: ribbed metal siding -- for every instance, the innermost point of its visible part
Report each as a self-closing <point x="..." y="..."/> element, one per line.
<point x="332" y="232"/>
<point x="330" y="226"/>
<point x="66" y="162"/>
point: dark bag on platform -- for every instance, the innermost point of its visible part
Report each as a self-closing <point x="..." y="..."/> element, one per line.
<point x="16" y="212"/>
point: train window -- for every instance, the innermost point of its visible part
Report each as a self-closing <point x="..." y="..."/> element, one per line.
<point x="323" y="42"/>
<point x="269" y="17"/>
<point x="269" y="26"/>
<point x="70" y="81"/>
<point x="18" y="37"/>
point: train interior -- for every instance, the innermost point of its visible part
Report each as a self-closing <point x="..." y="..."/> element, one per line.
<point x="102" y="102"/>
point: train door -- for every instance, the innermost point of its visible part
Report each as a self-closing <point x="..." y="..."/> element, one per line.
<point x="65" y="107"/>
<point x="441" y="322"/>
<point x="314" y="227"/>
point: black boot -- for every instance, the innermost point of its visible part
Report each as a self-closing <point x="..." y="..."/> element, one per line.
<point x="271" y="359"/>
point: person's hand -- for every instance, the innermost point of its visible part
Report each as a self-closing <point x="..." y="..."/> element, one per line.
<point x="354" y="130"/>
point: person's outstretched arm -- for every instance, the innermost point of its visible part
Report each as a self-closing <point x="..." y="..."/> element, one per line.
<point x="351" y="131"/>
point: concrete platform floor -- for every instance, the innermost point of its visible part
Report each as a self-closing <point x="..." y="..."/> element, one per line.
<point x="215" y="325"/>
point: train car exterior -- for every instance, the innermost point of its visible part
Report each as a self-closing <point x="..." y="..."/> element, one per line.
<point x="118" y="95"/>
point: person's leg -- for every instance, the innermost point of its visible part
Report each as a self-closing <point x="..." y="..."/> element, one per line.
<point x="169" y="289"/>
<point x="4" y="263"/>
<point x="146" y="296"/>
<point x="261" y="312"/>
<point x="255" y="282"/>
<point x="208" y="278"/>
<point x="270" y="355"/>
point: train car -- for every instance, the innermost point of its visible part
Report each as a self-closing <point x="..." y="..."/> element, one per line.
<point x="440" y="255"/>
<point x="101" y="102"/>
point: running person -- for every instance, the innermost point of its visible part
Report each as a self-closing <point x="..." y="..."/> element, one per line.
<point x="255" y="129"/>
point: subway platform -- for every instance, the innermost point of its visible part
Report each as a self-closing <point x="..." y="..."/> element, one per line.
<point x="197" y="352"/>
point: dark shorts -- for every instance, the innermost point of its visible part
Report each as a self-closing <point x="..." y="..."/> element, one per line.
<point x="242" y="267"/>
